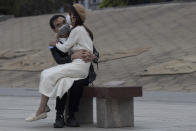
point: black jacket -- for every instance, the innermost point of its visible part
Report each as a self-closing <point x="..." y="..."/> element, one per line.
<point x="62" y="58"/>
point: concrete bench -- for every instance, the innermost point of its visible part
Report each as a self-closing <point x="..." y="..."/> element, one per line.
<point x="115" y="106"/>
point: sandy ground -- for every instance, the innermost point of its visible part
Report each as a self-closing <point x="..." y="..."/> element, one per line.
<point x="130" y="41"/>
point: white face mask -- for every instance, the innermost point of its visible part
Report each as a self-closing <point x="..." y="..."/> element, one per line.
<point x="68" y="20"/>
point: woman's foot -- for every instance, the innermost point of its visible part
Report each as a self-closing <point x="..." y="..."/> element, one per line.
<point x="34" y="117"/>
<point x="40" y="114"/>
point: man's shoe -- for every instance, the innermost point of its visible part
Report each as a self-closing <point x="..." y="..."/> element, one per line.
<point x="59" y="122"/>
<point x="72" y="122"/>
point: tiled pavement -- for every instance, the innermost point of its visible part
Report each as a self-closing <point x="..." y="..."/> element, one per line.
<point x="155" y="111"/>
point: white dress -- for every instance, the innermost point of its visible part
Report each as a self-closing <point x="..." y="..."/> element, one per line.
<point x="56" y="81"/>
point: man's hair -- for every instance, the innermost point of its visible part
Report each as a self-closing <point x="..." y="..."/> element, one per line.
<point x="53" y="18"/>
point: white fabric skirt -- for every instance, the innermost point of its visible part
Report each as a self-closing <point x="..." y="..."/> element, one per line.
<point x="56" y="81"/>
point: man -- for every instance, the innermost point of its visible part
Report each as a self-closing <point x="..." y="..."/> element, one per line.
<point x="76" y="90"/>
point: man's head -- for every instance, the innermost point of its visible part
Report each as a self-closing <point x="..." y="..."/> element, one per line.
<point x="56" y="22"/>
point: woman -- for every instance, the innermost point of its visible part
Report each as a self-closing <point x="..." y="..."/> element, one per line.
<point x="57" y="80"/>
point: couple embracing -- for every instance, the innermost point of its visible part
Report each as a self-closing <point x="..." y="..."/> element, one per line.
<point x="73" y="49"/>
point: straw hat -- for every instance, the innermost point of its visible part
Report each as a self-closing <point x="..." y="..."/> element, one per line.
<point x="81" y="11"/>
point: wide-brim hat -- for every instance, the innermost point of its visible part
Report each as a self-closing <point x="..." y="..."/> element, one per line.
<point x="81" y="11"/>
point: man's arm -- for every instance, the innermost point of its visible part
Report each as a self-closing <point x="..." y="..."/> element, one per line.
<point x="86" y="55"/>
<point x="96" y="53"/>
<point x="60" y="57"/>
<point x="92" y="75"/>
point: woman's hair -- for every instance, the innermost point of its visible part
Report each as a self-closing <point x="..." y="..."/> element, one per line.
<point x="80" y="22"/>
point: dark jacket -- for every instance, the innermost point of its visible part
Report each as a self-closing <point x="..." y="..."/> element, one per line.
<point x="62" y="58"/>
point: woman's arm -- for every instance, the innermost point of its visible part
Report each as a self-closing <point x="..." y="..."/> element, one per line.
<point x="67" y="44"/>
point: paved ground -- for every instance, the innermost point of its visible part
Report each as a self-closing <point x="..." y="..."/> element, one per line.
<point x="155" y="111"/>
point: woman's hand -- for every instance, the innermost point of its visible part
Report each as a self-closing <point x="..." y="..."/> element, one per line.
<point x="53" y="43"/>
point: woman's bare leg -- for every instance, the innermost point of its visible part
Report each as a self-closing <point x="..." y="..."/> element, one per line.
<point x="43" y="103"/>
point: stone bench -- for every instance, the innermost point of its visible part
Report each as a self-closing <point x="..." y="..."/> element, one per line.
<point x="115" y="106"/>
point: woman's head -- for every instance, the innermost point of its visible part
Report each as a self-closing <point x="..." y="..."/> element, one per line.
<point x="77" y="14"/>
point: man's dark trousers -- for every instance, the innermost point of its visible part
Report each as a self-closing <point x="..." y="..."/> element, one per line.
<point x="75" y="93"/>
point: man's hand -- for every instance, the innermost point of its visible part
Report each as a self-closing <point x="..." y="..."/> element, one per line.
<point x="85" y="55"/>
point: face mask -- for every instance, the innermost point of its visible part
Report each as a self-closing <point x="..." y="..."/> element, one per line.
<point x="64" y="29"/>
<point x="68" y="20"/>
